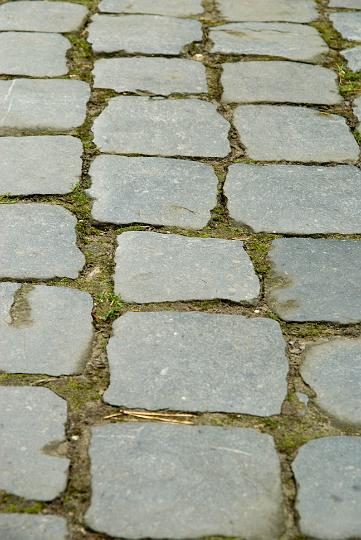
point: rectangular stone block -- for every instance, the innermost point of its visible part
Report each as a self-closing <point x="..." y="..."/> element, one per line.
<point x="348" y="25"/>
<point x="268" y="10"/>
<point x="173" y="8"/>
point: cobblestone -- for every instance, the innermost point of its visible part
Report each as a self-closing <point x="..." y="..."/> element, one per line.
<point x="348" y="24"/>
<point x="268" y="10"/>
<point x="352" y="4"/>
<point x="26" y="527"/>
<point x="357" y="108"/>
<point x="353" y="57"/>
<point x="174" y="8"/>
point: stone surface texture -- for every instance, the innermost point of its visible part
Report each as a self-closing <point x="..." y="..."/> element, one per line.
<point x="172" y="8"/>
<point x="348" y="25"/>
<point x="268" y="10"/>
<point x="41" y="16"/>
<point x="352" y="4"/>
<point x="27" y="527"/>
<point x="357" y="108"/>
<point x="353" y="57"/>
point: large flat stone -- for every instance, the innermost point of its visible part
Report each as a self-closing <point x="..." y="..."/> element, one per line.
<point x="286" y="40"/>
<point x="173" y="8"/>
<point x="329" y="488"/>
<point x="272" y="133"/>
<point x="268" y="10"/>
<point x="152" y="267"/>
<point x="141" y="125"/>
<point x="159" y="191"/>
<point x="27" y="527"/>
<point x="279" y="82"/>
<point x="33" y="54"/>
<point x="348" y="24"/>
<point x="31" y="420"/>
<point x="357" y="108"/>
<point x="49" y="105"/>
<point x="315" y="280"/>
<point x="39" y="165"/>
<point x="161" y="76"/>
<point x="295" y="199"/>
<point x="42" y="16"/>
<point x="353" y="57"/>
<point x="38" y="241"/>
<point x="352" y="4"/>
<point x="37" y="329"/>
<point x="197" y="362"/>
<point x="188" y="481"/>
<point x="150" y="34"/>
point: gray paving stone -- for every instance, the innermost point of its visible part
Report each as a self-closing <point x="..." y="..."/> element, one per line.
<point x="328" y="473"/>
<point x="295" y="199"/>
<point x="348" y="24"/>
<point x="37" y="329"/>
<point x="315" y="280"/>
<point x="27" y="527"/>
<point x="197" y="362"/>
<point x="41" y="16"/>
<point x="277" y="133"/>
<point x="352" y="4"/>
<point x="34" y="54"/>
<point x="159" y="191"/>
<point x="53" y="105"/>
<point x="39" y="165"/>
<point x="150" y="34"/>
<point x="357" y="108"/>
<point x="152" y="267"/>
<point x="31" y="420"/>
<point x="286" y="40"/>
<point x="189" y="481"/>
<point x="173" y="8"/>
<point x="353" y="57"/>
<point x="38" y="241"/>
<point x="177" y="127"/>
<point x="162" y="76"/>
<point x="268" y="10"/>
<point x="252" y="82"/>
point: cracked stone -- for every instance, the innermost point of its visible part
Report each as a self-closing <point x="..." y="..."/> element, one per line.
<point x="161" y="76"/>
<point x="158" y="191"/>
<point x="38" y="241"/>
<point x="286" y="40"/>
<point x="42" y="16"/>
<point x="328" y="475"/>
<point x="54" y="105"/>
<point x="352" y="4"/>
<point x="31" y="419"/>
<point x="195" y="479"/>
<point x="277" y="133"/>
<point x="315" y="280"/>
<point x="36" y="329"/>
<point x="39" y="165"/>
<point x="348" y="25"/>
<point x="357" y="108"/>
<point x="31" y="527"/>
<point x="153" y="267"/>
<point x="252" y="82"/>
<point x="353" y="57"/>
<point x="161" y="360"/>
<point x="268" y="10"/>
<point x="295" y="199"/>
<point x="150" y="34"/>
<point x="173" y="8"/>
<point x="141" y="125"/>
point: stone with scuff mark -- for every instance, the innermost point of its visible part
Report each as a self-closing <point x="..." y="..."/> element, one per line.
<point x="172" y="8"/>
<point x="348" y="25"/>
<point x="300" y="11"/>
<point x="30" y="527"/>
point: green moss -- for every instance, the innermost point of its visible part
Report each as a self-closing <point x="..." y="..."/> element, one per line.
<point x="333" y="39"/>
<point x="76" y="390"/>
<point x="349" y="82"/>
<point x="258" y="247"/>
<point x="109" y="306"/>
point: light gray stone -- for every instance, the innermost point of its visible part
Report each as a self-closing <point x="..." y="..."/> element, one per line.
<point x="173" y="8"/>
<point x="277" y="133"/>
<point x="352" y="4"/>
<point x="333" y="371"/>
<point x="188" y="481"/>
<point x="152" y="267"/>
<point x="295" y="199"/>
<point x="177" y="127"/>
<point x="197" y="362"/>
<point x="286" y="40"/>
<point x="328" y="474"/>
<point x="357" y="108"/>
<point x="37" y="330"/>
<point x="38" y="241"/>
<point x="31" y="422"/>
<point x="348" y="25"/>
<point x="39" y="165"/>
<point x="159" y="191"/>
<point x="252" y="82"/>
<point x="28" y="527"/>
<point x="315" y="280"/>
<point x="268" y="10"/>
<point x="161" y="76"/>
<point x="41" y="16"/>
<point x="150" y="34"/>
<point x="353" y="57"/>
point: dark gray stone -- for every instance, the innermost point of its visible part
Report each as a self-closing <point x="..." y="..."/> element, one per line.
<point x="268" y="10"/>
<point x="277" y="133"/>
<point x="150" y="34"/>
<point x="353" y="57"/>
<point x="188" y="481"/>
<point x="152" y="267"/>
<point x="39" y="165"/>
<point x="27" y="527"/>
<point x="315" y="280"/>
<point x="348" y="24"/>
<point x="32" y="420"/>
<point x="173" y="8"/>
<point x="42" y="16"/>
<point x="357" y="108"/>
<point x="159" y="191"/>
<point x="329" y="488"/>
<point x="352" y="4"/>
<point x="295" y="199"/>
<point x="38" y="241"/>
<point x="177" y="127"/>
